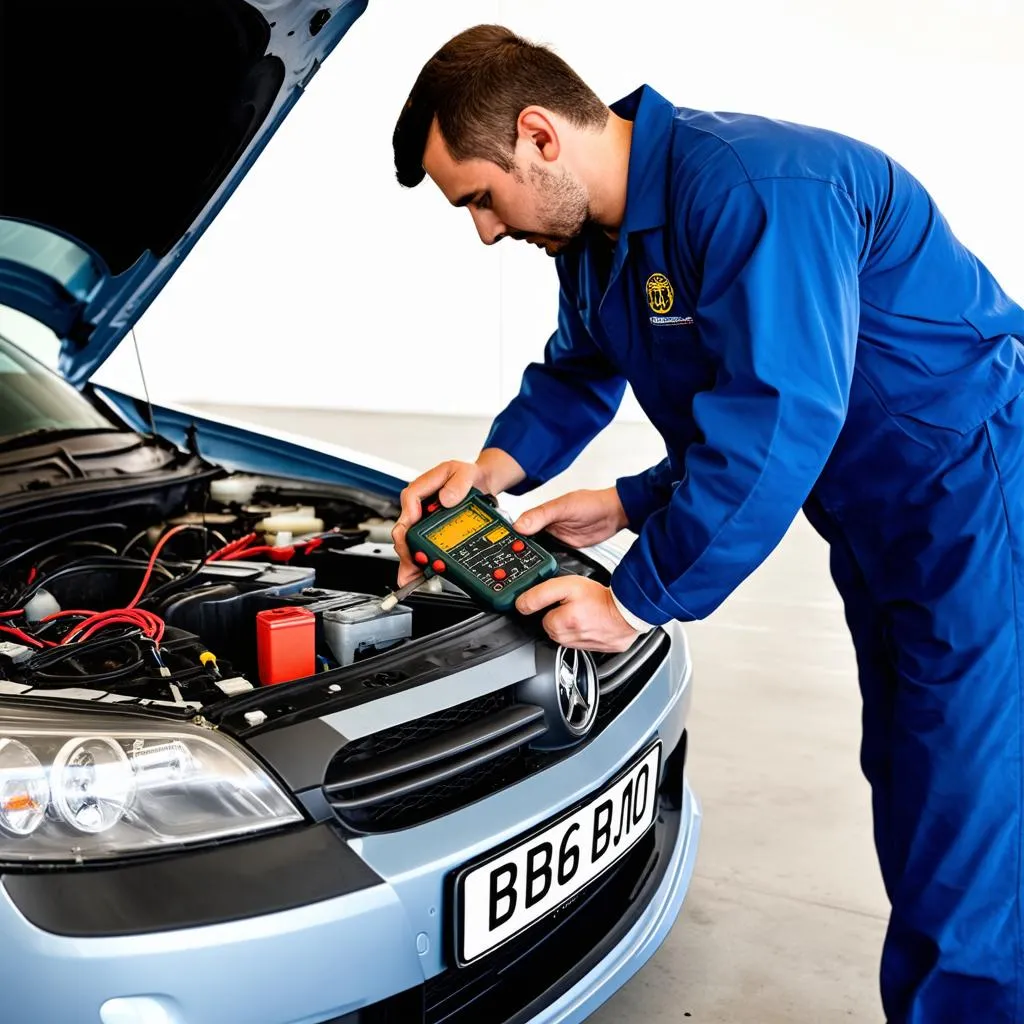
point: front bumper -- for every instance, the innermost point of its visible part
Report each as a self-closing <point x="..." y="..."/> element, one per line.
<point x="630" y="952"/>
<point x="376" y="951"/>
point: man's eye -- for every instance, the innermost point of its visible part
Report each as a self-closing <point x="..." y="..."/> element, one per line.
<point x="484" y="202"/>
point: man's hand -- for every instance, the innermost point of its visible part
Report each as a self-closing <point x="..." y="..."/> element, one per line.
<point x="579" y="519"/>
<point x="493" y="471"/>
<point x="586" y="615"/>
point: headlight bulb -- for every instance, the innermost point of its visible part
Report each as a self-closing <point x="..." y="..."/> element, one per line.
<point x="24" y="789"/>
<point x="162" y="764"/>
<point x="92" y="783"/>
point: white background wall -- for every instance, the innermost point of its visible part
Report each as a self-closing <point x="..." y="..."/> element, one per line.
<point x="322" y="268"/>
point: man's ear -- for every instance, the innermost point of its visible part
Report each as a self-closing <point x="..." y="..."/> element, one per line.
<point x="537" y="129"/>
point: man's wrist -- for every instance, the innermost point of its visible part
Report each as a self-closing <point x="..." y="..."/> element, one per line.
<point x="621" y="519"/>
<point x="499" y="471"/>
<point x="633" y="620"/>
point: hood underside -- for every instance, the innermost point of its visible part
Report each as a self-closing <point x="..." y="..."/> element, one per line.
<point x="125" y="127"/>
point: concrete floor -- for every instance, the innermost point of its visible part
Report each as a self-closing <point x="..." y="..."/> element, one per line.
<point x="786" y="915"/>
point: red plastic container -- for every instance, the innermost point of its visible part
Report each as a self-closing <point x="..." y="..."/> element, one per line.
<point x="285" y="644"/>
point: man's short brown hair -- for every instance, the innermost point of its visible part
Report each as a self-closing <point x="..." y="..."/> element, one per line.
<point x="476" y="86"/>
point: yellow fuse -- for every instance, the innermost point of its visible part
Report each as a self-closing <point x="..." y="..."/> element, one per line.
<point x="495" y="535"/>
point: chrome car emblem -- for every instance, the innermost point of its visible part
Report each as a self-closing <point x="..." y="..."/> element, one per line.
<point x="576" y="683"/>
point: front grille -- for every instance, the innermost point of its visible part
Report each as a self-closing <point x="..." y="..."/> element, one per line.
<point x="623" y="676"/>
<point x="434" y="765"/>
<point x="427" y="727"/>
<point x="441" y="798"/>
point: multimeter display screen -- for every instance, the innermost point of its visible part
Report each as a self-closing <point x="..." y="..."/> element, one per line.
<point x="459" y="528"/>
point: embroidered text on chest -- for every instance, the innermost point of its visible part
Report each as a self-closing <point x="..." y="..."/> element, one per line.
<point x="660" y="297"/>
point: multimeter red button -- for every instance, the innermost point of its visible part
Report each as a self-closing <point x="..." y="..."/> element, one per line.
<point x="499" y="574"/>
<point x="518" y="545"/>
<point x="433" y="506"/>
<point x="439" y="566"/>
<point x="420" y="558"/>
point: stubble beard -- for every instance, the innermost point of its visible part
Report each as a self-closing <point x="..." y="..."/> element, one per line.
<point x="564" y="209"/>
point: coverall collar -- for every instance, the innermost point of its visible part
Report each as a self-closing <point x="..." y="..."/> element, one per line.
<point x="649" y="157"/>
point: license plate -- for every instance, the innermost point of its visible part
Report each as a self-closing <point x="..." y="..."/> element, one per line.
<point x="499" y="898"/>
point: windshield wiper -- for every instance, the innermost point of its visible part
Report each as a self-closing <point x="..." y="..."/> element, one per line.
<point x="43" y="434"/>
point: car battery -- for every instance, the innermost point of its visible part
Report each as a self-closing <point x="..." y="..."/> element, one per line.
<point x="363" y="627"/>
<point x="350" y="624"/>
<point x="285" y="644"/>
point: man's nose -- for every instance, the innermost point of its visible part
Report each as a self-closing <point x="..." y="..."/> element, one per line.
<point x="488" y="226"/>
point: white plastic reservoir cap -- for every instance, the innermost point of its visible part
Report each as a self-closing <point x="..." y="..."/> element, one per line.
<point x="235" y="488"/>
<point x="41" y="604"/>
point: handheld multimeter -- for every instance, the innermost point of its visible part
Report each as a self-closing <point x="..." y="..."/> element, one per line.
<point x="476" y="549"/>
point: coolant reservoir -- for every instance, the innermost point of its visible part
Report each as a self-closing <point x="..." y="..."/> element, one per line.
<point x="297" y="523"/>
<point x="379" y="529"/>
<point x="237" y="488"/>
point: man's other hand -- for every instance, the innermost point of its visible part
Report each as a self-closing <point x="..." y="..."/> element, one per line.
<point x="579" y="519"/>
<point x="586" y="615"/>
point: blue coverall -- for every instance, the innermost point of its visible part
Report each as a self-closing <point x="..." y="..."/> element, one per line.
<point x="803" y="328"/>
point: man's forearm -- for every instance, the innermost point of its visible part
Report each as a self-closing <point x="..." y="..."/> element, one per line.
<point x="500" y="469"/>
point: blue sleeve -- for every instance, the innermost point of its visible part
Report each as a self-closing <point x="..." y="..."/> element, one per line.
<point x="563" y="403"/>
<point x="778" y="311"/>
<point x="644" y="493"/>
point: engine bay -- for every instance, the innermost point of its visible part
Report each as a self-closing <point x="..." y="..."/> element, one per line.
<point x="197" y="595"/>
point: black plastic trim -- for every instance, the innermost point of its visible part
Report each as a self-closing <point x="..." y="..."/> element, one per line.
<point x="404" y="1008"/>
<point x="189" y="890"/>
<point x="619" y="670"/>
<point x="300" y="754"/>
<point x="431" y="776"/>
<point x="440" y="748"/>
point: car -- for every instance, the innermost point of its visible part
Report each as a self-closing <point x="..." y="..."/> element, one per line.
<point x="233" y="788"/>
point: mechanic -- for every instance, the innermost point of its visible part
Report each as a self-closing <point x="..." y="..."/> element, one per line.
<point x="804" y="330"/>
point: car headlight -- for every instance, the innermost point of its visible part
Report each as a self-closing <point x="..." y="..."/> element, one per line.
<point x="80" y="787"/>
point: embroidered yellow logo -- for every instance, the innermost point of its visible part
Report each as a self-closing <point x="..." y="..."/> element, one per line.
<point x="660" y="295"/>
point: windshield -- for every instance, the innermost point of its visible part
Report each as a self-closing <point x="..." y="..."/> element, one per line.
<point x="33" y="397"/>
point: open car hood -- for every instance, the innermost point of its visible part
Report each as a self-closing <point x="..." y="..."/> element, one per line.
<point x="124" y="128"/>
